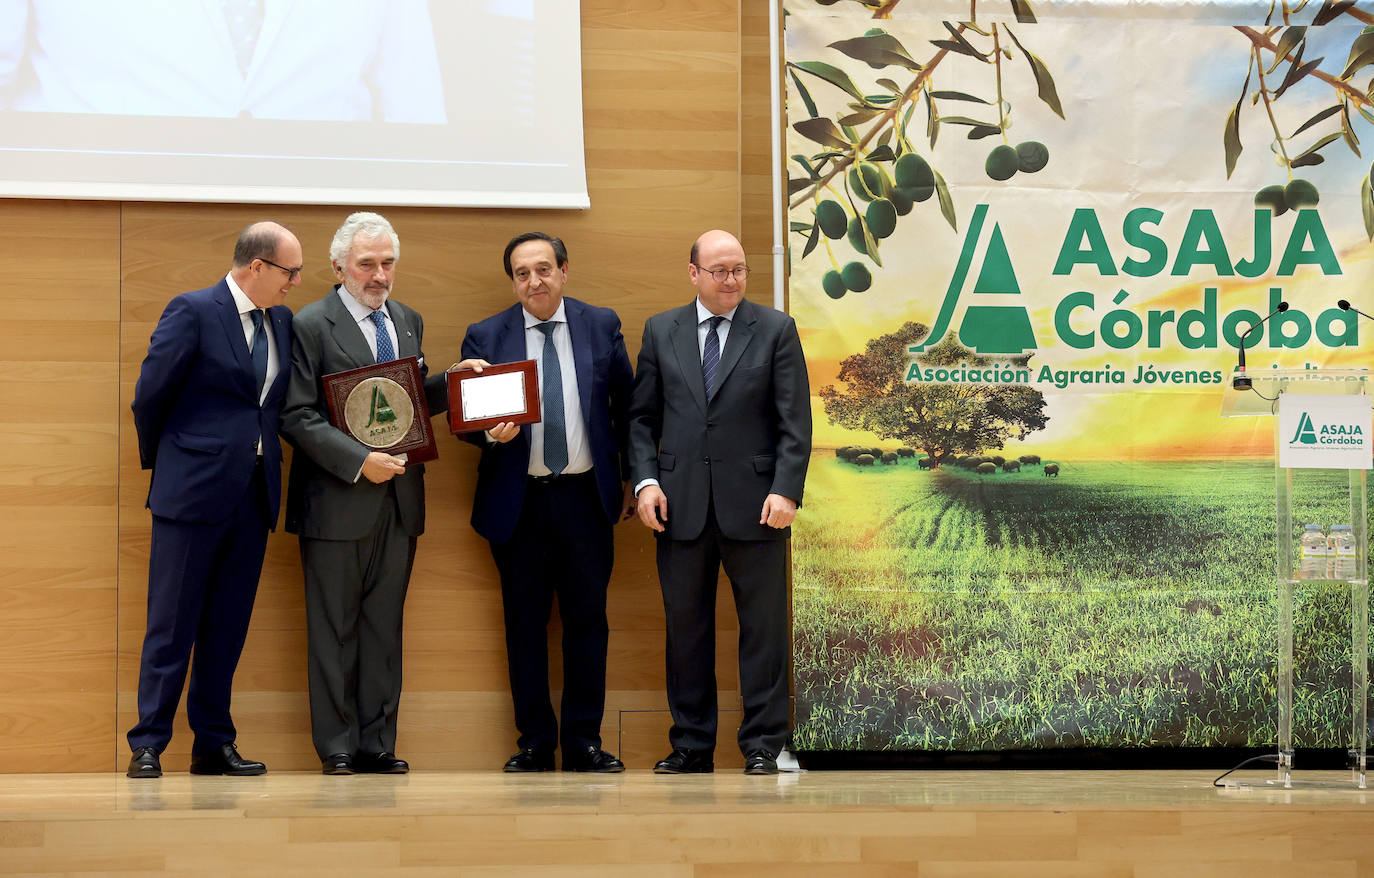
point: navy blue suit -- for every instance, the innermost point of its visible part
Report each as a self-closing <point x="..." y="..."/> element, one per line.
<point x="555" y="536"/>
<point x="213" y="499"/>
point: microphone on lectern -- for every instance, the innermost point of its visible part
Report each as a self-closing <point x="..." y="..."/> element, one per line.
<point x="1242" y="381"/>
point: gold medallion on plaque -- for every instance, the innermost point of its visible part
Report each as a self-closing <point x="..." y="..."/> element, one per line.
<point x="379" y="412"/>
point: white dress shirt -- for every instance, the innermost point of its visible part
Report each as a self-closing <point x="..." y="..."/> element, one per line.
<point x="246" y="308"/>
<point x="363" y="315"/>
<point x="704" y="316"/>
<point x="579" y="451"/>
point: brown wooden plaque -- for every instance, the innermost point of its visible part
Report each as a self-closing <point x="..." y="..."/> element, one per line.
<point x="507" y="392"/>
<point x="383" y="406"/>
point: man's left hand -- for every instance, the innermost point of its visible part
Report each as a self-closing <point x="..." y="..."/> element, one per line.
<point x="472" y="364"/>
<point x="628" y="505"/>
<point x="778" y="511"/>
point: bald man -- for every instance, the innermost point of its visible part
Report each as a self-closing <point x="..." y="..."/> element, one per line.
<point x="720" y="437"/>
<point x="206" y="408"/>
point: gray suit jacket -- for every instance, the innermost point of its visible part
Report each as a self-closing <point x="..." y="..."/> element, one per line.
<point x="322" y="499"/>
<point x="752" y="439"/>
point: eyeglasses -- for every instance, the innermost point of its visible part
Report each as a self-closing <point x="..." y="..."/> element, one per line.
<point x="291" y="273"/>
<point x="721" y="274"/>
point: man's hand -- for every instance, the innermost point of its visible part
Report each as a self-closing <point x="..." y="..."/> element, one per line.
<point x="652" y="507"/>
<point x="627" y="503"/>
<point x="778" y="511"/>
<point x="379" y="467"/>
<point x="476" y="364"/>
<point x="503" y="432"/>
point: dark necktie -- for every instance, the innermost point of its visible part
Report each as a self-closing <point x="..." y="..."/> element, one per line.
<point x="384" y="352"/>
<point x="555" y="429"/>
<point x="710" y="357"/>
<point x="259" y="349"/>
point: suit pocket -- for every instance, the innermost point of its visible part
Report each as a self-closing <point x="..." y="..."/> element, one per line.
<point x="198" y="444"/>
<point x="764" y="463"/>
<point x="666" y="461"/>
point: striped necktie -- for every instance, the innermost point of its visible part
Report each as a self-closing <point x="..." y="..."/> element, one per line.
<point x="710" y="356"/>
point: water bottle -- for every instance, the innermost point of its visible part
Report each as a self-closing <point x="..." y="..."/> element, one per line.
<point x="1312" y="553"/>
<point x="1341" y="549"/>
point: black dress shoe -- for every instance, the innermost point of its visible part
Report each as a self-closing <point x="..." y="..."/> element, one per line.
<point x="760" y="762"/>
<point x="381" y="763"/>
<point x="686" y="762"/>
<point x="336" y="763"/>
<point x="529" y="760"/>
<point x="226" y="760"/>
<point x="144" y="763"/>
<point x="591" y="758"/>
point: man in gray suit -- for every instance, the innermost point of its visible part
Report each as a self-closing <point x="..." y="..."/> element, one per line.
<point x="720" y="434"/>
<point x="358" y="512"/>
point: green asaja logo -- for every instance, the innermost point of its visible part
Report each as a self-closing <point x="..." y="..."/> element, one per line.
<point x="996" y="322"/>
<point x="1306" y="433"/>
<point x="1309" y="433"/>
<point x="987" y="329"/>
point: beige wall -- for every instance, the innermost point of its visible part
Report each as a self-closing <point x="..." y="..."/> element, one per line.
<point x="675" y="105"/>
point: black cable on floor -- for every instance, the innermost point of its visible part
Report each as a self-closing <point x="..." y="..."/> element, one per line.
<point x="1268" y="757"/>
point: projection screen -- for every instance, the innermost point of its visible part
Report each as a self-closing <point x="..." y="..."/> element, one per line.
<point x="470" y="103"/>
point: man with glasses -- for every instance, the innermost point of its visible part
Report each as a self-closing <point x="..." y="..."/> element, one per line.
<point x="548" y="496"/>
<point x="720" y="435"/>
<point x="206" y="409"/>
<point x="358" y="512"/>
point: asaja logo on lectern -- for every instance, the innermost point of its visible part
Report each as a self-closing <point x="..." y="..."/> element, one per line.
<point x="1328" y="434"/>
<point x="1306" y="434"/>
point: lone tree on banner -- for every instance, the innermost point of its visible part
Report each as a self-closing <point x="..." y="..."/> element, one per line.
<point x="940" y="419"/>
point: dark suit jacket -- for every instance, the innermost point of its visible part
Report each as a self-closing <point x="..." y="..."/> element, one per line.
<point x="322" y="499"/>
<point x="603" y="387"/>
<point x="196" y="408"/>
<point x="753" y="438"/>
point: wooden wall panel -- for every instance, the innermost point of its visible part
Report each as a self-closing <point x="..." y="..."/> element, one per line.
<point x="660" y="92"/>
<point x="676" y="143"/>
<point x="58" y="477"/>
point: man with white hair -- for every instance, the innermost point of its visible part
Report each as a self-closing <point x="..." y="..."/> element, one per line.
<point x="358" y="512"/>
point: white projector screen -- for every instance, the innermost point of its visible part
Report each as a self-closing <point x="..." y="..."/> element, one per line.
<point x="387" y="102"/>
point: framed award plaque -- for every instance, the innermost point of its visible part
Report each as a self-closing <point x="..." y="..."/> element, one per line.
<point x="383" y="406"/>
<point x="508" y="392"/>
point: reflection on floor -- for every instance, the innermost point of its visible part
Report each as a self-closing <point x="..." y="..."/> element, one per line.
<point x="1146" y="823"/>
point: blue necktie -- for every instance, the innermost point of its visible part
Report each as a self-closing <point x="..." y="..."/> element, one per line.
<point x="555" y="430"/>
<point x="710" y="357"/>
<point x="384" y="352"/>
<point x="259" y="349"/>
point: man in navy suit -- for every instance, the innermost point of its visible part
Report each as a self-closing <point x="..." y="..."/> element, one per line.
<point x="548" y="496"/>
<point x="206" y="408"/>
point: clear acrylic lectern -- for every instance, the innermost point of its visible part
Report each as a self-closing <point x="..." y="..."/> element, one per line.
<point x="1295" y="487"/>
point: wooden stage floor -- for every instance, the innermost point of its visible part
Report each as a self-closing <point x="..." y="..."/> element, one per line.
<point x="1163" y="824"/>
